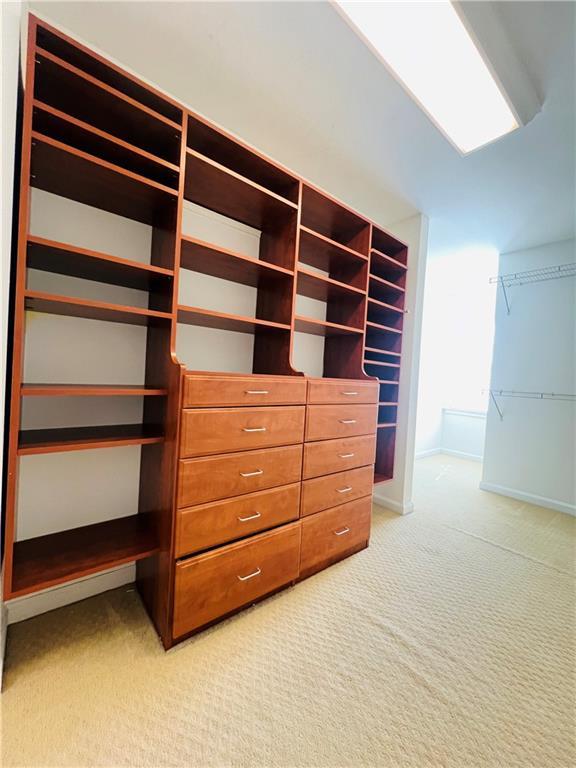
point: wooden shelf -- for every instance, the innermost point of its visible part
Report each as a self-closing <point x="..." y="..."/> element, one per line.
<point x="326" y="216"/>
<point x="208" y="318"/>
<point x="215" y="187"/>
<point x="384" y="243"/>
<point x="59" y="557"/>
<point x="64" y="259"/>
<point x="392" y="403"/>
<point x="387" y="426"/>
<point x="379" y="351"/>
<point x="228" y="152"/>
<point x="389" y="381"/>
<point x="388" y="261"/>
<point x="379" y="327"/>
<point x="60" y="439"/>
<point x="319" y="248"/>
<point x="384" y="305"/>
<point x="323" y="327"/>
<point x="209" y="259"/>
<point x="94" y="65"/>
<point x="89" y="390"/>
<point x="324" y="288"/>
<point x="78" y="94"/>
<point x="68" y="172"/>
<point x="92" y="310"/>
<point x="378" y="362"/>
<point x="78" y="134"/>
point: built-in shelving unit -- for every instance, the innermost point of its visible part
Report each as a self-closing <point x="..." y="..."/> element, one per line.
<point x="98" y="136"/>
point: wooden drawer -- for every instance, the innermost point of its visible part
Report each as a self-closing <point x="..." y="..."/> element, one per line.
<point x="329" y="421"/>
<point x="219" y="477"/>
<point x="342" y="391"/>
<point x="208" y="525"/>
<point x="225" y="430"/>
<point x="211" y="585"/>
<point x="243" y="390"/>
<point x="328" y="456"/>
<point x="335" y="533"/>
<point x="332" y="490"/>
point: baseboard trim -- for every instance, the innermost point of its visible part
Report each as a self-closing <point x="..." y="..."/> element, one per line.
<point x="429" y="452"/>
<point x="22" y="608"/>
<point x="392" y="504"/>
<point x="461" y="454"/>
<point x="531" y="498"/>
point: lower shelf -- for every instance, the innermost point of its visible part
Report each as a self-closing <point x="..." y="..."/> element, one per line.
<point x="59" y="557"/>
<point x="85" y="438"/>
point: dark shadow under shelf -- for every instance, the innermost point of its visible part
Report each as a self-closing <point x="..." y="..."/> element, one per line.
<point x="59" y="557"/>
<point x="57" y="440"/>
<point x="92" y="310"/>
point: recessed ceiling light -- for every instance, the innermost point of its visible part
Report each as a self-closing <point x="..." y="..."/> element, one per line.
<point x="429" y="50"/>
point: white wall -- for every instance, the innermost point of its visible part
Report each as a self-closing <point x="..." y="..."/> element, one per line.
<point x="463" y="433"/>
<point x="457" y="334"/>
<point x="530" y="453"/>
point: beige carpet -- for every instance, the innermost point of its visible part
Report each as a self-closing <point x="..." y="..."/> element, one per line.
<point x="450" y="642"/>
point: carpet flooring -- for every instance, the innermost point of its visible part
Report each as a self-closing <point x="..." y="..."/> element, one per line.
<point x="449" y="642"/>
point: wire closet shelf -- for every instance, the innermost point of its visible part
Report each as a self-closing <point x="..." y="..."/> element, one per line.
<point x="495" y="393"/>
<point x="532" y="276"/>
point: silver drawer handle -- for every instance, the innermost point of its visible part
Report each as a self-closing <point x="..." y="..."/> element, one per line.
<point x="252" y="517"/>
<point x="342" y="532"/>
<point x="253" y="429"/>
<point x="348" y="393"/>
<point x="347" y="421"/>
<point x="252" y="474"/>
<point x="257" y="572"/>
<point x="256" y="392"/>
<point x="347" y="489"/>
<point x="345" y="455"/>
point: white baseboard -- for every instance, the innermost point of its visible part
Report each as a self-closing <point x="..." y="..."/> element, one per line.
<point x="531" y="498"/>
<point x="395" y="506"/>
<point x="429" y="452"/>
<point x="31" y="605"/>
<point x="461" y="454"/>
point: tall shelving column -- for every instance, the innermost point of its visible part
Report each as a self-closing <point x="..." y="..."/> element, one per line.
<point x="383" y="339"/>
<point x="95" y="135"/>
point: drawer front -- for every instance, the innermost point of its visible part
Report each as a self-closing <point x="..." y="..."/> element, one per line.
<point x="328" y="456"/>
<point x="219" y="477"/>
<point x="342" y="391"/>
<point x="325" y="422"/>
<point x="225" y="430"/>
<point x="208" y="525"/>
<point x="332" y="490"/>
<point x="211" y="585"/>
<point x="243" y="390"/>
<point x="334" y="533"/>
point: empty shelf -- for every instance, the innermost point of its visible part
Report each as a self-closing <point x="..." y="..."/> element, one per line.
<point x="385" y="328"/>
<point x="59" y="557"/>
<point x="209" y="259"/>
<point x="57" y="440"/>
<point x="387" y="425"/>
<point x="323" y="288"/>
<point x="388" y="261"/>
<point x="208" y="318"/>
<point x="89" y="390"/>
<point x="323" y="327"/>
<point x="92" y="310"/>
<point x="64" y="259"/>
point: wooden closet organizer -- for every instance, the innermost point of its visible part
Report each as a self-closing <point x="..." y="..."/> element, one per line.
<point x="248" y="482"/>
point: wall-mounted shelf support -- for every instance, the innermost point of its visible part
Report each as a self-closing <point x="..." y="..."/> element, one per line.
<point x="494" y="393"/>
<point x="532" y="276"/>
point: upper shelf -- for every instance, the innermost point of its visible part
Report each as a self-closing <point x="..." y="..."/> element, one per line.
<point x="64" y="259"/>
<point x="209" y="259"/>
<point x="57" y="440"/>
<point x="89" y="390"/>
<point x="75" y="93"/>
<point x="208" y="318"/>
<point x="323" y="327"/>
<point x="211" y="185"/>
<point x="322" y="288"/>
<point x="386" y="267"/>
<point x="342" y="264"/>
<point x="384" y="243"/>
<point x="226" y="151"/>
<point x="70" y="173"/>
<point x="333" y="220"/>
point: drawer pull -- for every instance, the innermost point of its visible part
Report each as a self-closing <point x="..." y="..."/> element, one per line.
<point x="342" y="532"/>
<point x="252" y="474"/>
<point x="347" y="489"/>
<point x="347" y="421"/>
<point x="256" y="391"/>
<point x="349" y="393"/>
<point x="257" y="572"/>
<point x="253" y="429"/>
<point x="251" y="517"/>
<point x="345" y="455"/>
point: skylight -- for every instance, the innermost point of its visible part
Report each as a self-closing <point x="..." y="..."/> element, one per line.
<point x="429" y="50"/>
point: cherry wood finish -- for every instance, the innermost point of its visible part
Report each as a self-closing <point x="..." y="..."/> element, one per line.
<point x="59" y="557"/>
<point x="208" y="525"/>
<point x="208" y="318"/>
<point x="89" y="390"/>
<point x="323" y="391"/>
<point x="208" y="431"/>
<point x="332" y="490"/>
<point x="330" y="535"/>
<point x="327" y="456"/>
<point x="219" y="477"/>
<point x="243" y="390"/>
<point x="212" y="585"/>
<point x="326" y="422"/>
<point x="87" y="438"/>
<point x="36" y="301"/>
